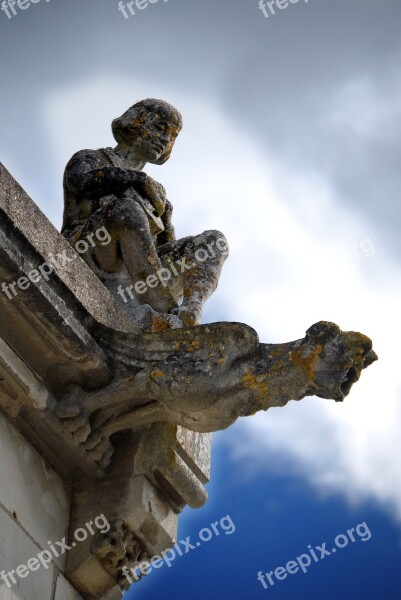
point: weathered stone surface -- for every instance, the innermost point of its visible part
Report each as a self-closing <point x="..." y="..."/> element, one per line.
<point x="16" y="549"/>
<point x="31" y="491"/>
<point x="198" y="449"/>
<point x="22" y="215"/>
<point x="149" y="526"/>
<point x="65" y="591"/>
<point x="113" y="594"/>
<point x="19" y="383"/>
<point x="167" y="456"/>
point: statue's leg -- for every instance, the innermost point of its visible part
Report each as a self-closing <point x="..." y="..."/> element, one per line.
<point x="197" y="262"/>
<point x="131" y="251"/>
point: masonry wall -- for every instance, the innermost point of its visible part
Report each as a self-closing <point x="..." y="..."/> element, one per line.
<point x="34" y="510"/>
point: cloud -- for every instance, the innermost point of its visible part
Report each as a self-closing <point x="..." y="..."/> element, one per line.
<point x="298" y="255"/>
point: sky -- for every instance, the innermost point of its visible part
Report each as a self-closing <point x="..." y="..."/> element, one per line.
<point x="290" y="146"/>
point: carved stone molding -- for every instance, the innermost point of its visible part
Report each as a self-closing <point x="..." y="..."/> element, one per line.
<point x="118" y="549"/>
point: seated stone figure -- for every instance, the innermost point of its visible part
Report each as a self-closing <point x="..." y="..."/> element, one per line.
<point x="144" y="263"/>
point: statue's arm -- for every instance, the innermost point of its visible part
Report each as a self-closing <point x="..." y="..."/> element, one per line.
<point x="87" y="175"/>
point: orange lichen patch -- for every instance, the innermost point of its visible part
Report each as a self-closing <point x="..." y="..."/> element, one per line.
<point x="159" y="324"/>
<point x="138" y="122"/>
<point x="308" y="363"/>
<point x="153" y="260"/>
<point x="222" y="360"/>
<point x="194" y="346"/>
<point x="157" y="374"/>
<point x="255" y="383"/>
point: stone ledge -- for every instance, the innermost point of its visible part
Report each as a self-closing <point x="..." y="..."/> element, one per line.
<point x="47" y="241"/>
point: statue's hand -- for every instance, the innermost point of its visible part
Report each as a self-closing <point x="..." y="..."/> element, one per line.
<point x="154" y="192"/>
<point x="168" y="211"/>
<point x="189" y="315"/>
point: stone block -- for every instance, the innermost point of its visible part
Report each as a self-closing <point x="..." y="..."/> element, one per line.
<point x="31" y="491"/>
<point x="142" y="524"/>
<point x="17" y="549"/>
<point x="65" y="591"/>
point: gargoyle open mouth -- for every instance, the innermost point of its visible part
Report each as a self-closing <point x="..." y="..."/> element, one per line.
<point x="354" y="373"/>
<point x="351" y="377"/>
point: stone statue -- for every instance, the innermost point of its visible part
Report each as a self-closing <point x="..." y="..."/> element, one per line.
<point x="144" y="263"/>
<point x="202" y="377"/>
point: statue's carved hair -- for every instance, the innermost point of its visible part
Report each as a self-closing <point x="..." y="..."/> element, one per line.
<point x="141" y="115"/>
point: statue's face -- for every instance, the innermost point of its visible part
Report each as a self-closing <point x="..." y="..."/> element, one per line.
<point x="155" y="140"/>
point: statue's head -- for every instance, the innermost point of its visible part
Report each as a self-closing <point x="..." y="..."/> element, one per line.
<point x="149" y="128"/>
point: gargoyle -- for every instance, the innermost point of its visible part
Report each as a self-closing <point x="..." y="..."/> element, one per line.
<point x="207" y="376"/>
<point x="174" y="370"/>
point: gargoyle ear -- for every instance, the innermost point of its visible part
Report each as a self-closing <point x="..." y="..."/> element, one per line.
<point x="323" y="331"/>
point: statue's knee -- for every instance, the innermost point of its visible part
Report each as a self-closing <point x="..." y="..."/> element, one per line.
<point x="124" y="214"/>
<point x="217" y="239"/>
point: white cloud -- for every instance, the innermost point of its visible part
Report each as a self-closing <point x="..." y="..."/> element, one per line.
<point x="366" y="108"/>
<point x="296" y="257"/>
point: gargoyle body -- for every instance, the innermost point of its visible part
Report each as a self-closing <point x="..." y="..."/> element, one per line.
<point x="207" y="376"/>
